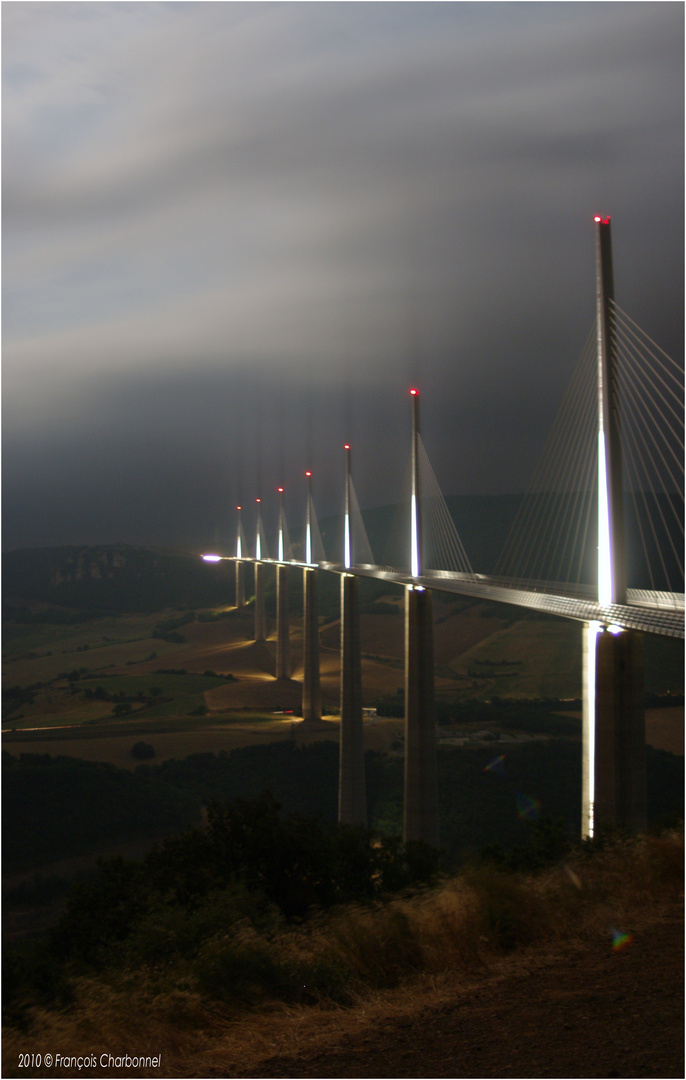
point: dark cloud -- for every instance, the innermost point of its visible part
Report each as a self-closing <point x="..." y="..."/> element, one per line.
<point x="234" y="234"/>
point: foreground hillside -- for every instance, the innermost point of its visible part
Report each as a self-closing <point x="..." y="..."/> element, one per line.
<point x="574" y="971"/>
<point x="579" y="1012"/>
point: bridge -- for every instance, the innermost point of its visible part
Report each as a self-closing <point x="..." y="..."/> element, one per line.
<point x="615" y="457"/>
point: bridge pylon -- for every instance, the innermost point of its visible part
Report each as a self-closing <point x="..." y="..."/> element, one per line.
<point x="283" y="650"/>
<point x="421" y="765"/>
<point x="260" y="609"/>
<point x="240" y="571"/>
<point x="352" y="785"/>
<point x="613" y="780"/>
<point x="312" y="693"/>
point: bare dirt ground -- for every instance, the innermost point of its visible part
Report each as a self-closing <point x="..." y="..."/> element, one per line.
<point x="577" y="1010"/>
<point x="589" y="1012"/>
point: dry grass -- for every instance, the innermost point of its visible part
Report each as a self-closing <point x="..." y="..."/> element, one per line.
<point x="347" y="970"/>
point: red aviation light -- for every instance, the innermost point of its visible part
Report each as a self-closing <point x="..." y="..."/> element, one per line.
<point x="280" y="491"/>
<point x="414" y="392"/>
<point x="258" y="500"/>
<point x="346" y="446"/>
<point x="308" y="473"/>
<point x="601" y="220"/>
<point x="239" y="507"/>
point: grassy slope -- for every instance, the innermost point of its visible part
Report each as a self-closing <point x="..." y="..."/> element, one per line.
<point x="341" y="980"/>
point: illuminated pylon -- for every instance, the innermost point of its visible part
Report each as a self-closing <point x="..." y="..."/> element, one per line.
<point x="347" y="547"/>
<point x="308" y="520"/>
<point x="613" y="789"/>
<point x="415" y="498"/>
<point x="240" y="578"/>
<point x="352" y="788"/>
<point x="283" y="659"/>
<point x="282" y="529"/>
<point x="611" y="534"/>
<point x="421" y="765"/>
<point x="260" y="612"/>
<point x="312" y="694"/>
<point x="239" y="534"/>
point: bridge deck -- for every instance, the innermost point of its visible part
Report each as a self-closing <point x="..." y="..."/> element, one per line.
<point x="651" y="612"/>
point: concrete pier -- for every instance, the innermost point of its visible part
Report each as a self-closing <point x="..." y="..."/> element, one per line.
<point x="620" y="770"/>
<point x="352" y="787"/>
<point x="312" y="693"/>
<point x="421" y="764"/>
<point x="588" y="661"/>
<point x="260" y="612"/>
<point x="240" y="585"/>
<point x="283" y="647"/>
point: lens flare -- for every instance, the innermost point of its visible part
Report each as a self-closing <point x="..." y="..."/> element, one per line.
<point x="573" y="877"/>
<point x="496" y="765"/>
<point x="527" y="809"/>
<point x="620" y="940"/>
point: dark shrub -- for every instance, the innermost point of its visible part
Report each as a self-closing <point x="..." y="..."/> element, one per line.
<point x="143" y="751"/>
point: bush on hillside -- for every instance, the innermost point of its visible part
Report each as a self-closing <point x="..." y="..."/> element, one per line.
<point x="289" y="865"/>
<point x="142" y="751"/>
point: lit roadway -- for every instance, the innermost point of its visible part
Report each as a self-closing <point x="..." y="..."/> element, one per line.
<point x="652" y="612"/>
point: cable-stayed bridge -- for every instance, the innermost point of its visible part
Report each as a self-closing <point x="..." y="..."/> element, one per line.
<point x="598" y="538"/>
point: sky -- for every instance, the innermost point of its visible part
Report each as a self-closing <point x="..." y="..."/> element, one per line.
<point x="236" y="234"/>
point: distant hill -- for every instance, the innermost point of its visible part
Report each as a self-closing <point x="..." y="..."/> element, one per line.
<point x="120" y="577"/>
<point x="116" y="578"/>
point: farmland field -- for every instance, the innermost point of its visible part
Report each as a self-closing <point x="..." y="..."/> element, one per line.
<point x="124" y="667"/>
<point x="89" y="693"/>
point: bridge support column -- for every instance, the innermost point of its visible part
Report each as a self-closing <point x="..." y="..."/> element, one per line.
<point x="260" y="613"/>
<point x="352" y="787"/>
<point x="283" y="653"/>
<point x="614" y="768"/>
<point x="620" y="769"/>
<point x="421" y="764"/>
<point x="588" y="661"/>
<point x="312" y="693"/>
<point x="240" y="585"/>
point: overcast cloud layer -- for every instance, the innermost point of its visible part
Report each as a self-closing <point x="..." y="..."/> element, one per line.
<point x="235" y="233"/>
